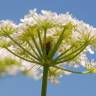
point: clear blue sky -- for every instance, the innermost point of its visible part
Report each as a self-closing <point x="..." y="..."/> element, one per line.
<point x="74" y="85"/>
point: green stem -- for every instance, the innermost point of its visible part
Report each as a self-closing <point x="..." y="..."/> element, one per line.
<point x="57" y="45"/>
<point x="44" y="45"/>
<point x="44" y="81"/>
<point x="36" y="45"/>
<point x="11" y="38"/>
<point x="36" y="54"/>
<point x="67" y="70"/>
<point x="40" y="41"/>
<point x="74" y="55"/>
<point x="66" y="51"/>
<point x="31" y="61"/>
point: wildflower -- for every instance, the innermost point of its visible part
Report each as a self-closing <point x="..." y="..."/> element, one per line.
<point x="47" y="44"/>
<point x="6" y="27"/>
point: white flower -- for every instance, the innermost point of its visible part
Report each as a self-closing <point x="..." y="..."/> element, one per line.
<point x="7" y="23"/>
<point x="67" y="41"/>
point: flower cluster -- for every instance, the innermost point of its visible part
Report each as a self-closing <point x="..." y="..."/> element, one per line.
<point x="58" y="41"/>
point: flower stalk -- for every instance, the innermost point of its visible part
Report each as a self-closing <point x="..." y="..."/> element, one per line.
<point x="44" y="81"/>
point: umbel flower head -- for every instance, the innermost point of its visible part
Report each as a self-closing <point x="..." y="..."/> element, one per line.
<point x="47" y="39"/>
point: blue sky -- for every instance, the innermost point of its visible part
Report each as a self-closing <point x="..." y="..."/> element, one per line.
<point x="73" y="85"/>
